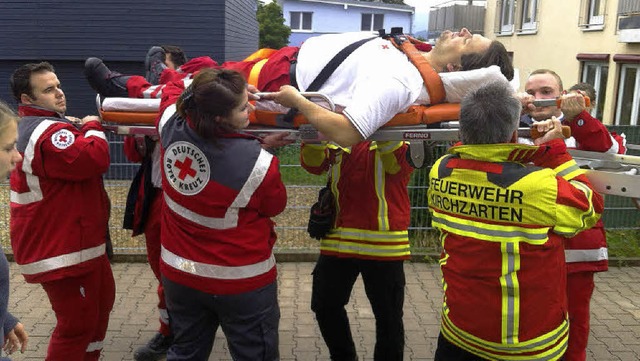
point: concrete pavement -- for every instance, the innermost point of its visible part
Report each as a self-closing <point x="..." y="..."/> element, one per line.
<point x="615" y="329"/>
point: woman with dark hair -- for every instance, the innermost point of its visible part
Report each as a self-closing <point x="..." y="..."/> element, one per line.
<point x="221" y="189"/>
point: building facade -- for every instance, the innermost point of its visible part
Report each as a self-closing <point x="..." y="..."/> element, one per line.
<point x="595" y="41"/>
<point x="308" y="18"/>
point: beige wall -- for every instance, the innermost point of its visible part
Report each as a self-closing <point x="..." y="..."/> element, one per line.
<point x="559" y="39"/>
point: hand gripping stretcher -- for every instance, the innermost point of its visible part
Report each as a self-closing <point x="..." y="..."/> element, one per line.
<point x="421" y="126"/>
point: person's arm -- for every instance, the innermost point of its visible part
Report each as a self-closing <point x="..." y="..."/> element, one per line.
<point x="62" y="152"/>
<point x="16" y="337"/>
<point x="314" y="158"/>
<point x="334" y="126"/>
<point x="589" y="132"/>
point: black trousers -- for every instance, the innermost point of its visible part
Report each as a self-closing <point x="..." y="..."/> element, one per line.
<point x="384" y="282"/>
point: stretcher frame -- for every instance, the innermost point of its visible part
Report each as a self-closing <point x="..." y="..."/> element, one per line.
<point x="613" y="174"/>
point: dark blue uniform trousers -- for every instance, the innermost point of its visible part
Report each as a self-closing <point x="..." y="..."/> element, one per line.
<point x="249" y="322"/>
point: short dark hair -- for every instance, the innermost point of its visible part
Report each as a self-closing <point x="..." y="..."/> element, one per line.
<point x="496" y="54"/>
<point x="213" y="93"/>
<point x="489" y="115"/>
<point x="20" y="80"/>
<point x="550" y="72"/>
<point x="177" y="54"/>
<point x="589" y="90"/>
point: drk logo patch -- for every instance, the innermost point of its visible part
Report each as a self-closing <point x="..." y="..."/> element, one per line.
<point x="186" y="168"/>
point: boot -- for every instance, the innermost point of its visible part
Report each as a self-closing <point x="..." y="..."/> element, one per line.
<point x="154" y="64"/>
<point x="106" y="82"/>
<point x="155" y="349"/>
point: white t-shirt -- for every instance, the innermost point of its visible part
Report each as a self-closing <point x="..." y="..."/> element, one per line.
<point x="377" y="81"/>
<point x="371" y="85"/>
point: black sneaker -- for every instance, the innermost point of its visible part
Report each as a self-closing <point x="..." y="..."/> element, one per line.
<point x="156" y="349"/>
<point x="106" y="82"/>
<point x="154" y="64"/>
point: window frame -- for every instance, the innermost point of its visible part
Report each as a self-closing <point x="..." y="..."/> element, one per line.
<point x="588" y="21"/>
<point x="301" y="15"/>
<point x="599" y="84"/>
<point x="506" y="29"/>
<point x="635" y="103"/>
<point x="531" y="26"/>
<point x="373" y="21"/>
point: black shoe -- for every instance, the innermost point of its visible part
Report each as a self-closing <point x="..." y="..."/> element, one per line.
<point x="155" y="349"/>
<point x="154" y="64"/>
<point x="106" y="82"/>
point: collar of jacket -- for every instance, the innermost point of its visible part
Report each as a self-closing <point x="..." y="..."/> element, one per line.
<point x="36" y="111"/>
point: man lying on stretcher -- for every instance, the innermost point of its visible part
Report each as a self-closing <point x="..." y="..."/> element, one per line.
<point x="371" y="85"/>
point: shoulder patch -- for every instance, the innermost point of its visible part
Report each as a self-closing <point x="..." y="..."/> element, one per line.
<point x="186" y="168"/>
<point x="62" y="139"/>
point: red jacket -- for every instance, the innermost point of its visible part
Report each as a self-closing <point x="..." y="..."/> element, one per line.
<point x="217" y="234"/>
<point x="588" y="250"/>
<point x="59" y="208"/>
<point x="369" y="183"/>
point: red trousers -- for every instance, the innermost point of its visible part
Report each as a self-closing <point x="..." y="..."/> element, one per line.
<point x="82" y="305"/>
<point x="152" y="238"/>
<point x="579" y="290"/>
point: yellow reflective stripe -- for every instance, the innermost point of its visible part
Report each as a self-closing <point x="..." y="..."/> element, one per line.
<point x="569" y="170"/>
<point x="489" y="232"/>
<point x="369" y="235"/>
<point x="380" y="184"/>
<point x="387" y="146"/>
<point x="551" y="345"/>
<point x="335" y="177"/>
<point x="581" y="220"/>
<point x="510" y="292"/>
<point x="391" y="250"/>
<point x="255" y="72"/>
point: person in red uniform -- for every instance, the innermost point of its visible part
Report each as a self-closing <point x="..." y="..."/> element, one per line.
<point x="144" y="202"/>
<point x="585" y="253"/>
<point x="503" y="210"/>
<point x="221" y="189"/>
<point x="57" y="204"/>
<point x="369" y="237"/>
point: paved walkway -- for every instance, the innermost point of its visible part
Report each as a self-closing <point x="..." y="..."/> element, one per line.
<point x="615" y="331"/>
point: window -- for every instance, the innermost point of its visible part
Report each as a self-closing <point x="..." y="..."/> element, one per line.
<point x="596" y="73"/>
<point x="592" y="14"/>
<point x="372" y="22"/>
<point x="300" y="21"/>
<point x="506" y="16"/>
<point x="528" y="11"/>
<point x="628" y="97"/>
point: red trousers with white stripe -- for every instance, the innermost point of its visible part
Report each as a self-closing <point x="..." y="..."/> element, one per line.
<point x="152" y="238"/>
<point x="82" y="305"/>
<point x="579" y="290"/>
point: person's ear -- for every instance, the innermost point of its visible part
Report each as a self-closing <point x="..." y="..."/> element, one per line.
<point x="25" y="99"/>
<point x="453" y="67"/>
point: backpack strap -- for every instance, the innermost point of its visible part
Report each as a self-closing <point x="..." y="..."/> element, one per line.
<point x="326" y="72"/>
<point x="334" y="63"/>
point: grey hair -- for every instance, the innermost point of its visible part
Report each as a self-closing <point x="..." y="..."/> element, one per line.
<point x="489" y="115"/>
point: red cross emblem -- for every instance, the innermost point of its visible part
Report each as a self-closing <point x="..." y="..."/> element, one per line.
<point x="385" y="46"/>
<point x="62" y="138"/>
<point x="185" y="168"/>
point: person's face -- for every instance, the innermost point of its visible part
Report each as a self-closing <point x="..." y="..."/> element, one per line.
<point x="239" y="117"/>
<point x="9" y="155"/>
<point x="543" y="86"/>
<point x="47" y="93"/>
<point x="168" y="61"/>
<point x="453" y="45"/>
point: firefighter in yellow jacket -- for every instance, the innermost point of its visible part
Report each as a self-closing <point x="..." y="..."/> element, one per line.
<point x="369" y="237"/>
<point x="502" y="209"/>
